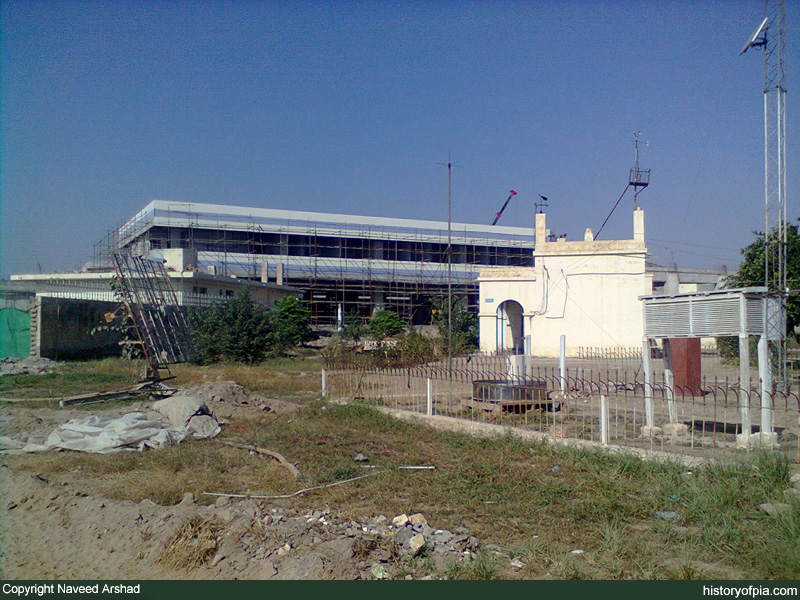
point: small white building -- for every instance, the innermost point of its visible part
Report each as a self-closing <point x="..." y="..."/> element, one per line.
<point x="586" y="290"/>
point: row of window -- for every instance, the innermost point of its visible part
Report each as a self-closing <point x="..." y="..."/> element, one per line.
<point x="241" y="242"/>
<point x="200" y="290"/>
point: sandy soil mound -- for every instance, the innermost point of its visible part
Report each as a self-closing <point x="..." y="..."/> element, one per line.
<point x="228" y="398"/>
<point x="53" y="531"/>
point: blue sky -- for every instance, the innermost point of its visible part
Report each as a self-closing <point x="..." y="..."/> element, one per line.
<point x="350" y="107"/>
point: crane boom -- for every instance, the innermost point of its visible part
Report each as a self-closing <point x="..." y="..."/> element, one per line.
<point x="511" y="194"/>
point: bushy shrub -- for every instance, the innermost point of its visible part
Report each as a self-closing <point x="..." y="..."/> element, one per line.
<point x="290" y="322"/>
<point x="464" y="325"/>
<point x="353" y="327"/>
<point x="239" y="330"/>
<point x="411" y="349"/>
<point x="385" y="323"/>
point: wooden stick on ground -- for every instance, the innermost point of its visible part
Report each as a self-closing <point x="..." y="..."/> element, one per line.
<point x="276" y="455"/>
<point x="298" y="492"/>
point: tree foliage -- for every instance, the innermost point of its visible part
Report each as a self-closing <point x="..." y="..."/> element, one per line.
<point x="290" y="322"/>
<point x="353" y="327"/>
<point x="751" y="271"/>
<point x="751" y="274"/>
<point x="385" y="324"/>
<point x="239" y="330"/>
<point x="464" y="325"/>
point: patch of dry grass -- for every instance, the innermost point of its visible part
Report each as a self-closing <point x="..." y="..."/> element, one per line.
<point x="194" y="544"/>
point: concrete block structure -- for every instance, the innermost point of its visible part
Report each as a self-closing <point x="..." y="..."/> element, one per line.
<point x="587" y="290"/>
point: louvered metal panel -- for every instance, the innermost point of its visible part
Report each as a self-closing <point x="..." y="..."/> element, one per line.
<point x="755" y="316"/>
<point x="666" y="319"/>
<point x="705" y="314"/>
<point x="714" y="316"/>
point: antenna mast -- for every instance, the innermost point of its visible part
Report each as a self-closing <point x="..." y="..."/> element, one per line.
<point x="639" y="178"/>
<point x="770" y="36"/>
<point x="775" y="169"/>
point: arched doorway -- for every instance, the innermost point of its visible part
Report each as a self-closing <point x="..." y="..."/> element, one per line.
<point x="510" y="334"/>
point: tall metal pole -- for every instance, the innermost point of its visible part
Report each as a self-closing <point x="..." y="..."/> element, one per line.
<point x="770" y="37"/>
<point x="775" y="233"/>
<point x="449" y="275"/>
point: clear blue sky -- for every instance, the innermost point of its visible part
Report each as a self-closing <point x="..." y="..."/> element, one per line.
<point x="348" y="107"/>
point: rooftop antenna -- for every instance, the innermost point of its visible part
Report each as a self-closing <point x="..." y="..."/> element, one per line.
<point x="769" y="36"/>
<point x="638" y="178"/>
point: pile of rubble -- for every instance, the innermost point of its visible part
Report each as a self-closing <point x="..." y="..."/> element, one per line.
<point x="32" y="365"/>
<point x="283" y="544"/>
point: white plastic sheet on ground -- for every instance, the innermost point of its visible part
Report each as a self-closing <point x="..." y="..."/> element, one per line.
<point x="133" y="431"/>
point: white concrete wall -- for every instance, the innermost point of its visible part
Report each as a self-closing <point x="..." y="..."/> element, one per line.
<point x="587" y="290"/>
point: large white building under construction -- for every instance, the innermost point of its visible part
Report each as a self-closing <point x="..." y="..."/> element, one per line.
<point x="342" y="263"/>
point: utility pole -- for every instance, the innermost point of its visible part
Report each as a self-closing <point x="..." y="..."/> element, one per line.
<point x="449" y="272"/>
<point x="449" y="166"/>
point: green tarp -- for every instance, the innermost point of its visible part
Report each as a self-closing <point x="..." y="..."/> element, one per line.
<point x="15" y="333"/>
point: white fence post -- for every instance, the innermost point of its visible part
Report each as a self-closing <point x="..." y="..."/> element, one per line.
<point x="562" y="362"/>
<point x="604" y="420"/>
<point x="765" y="375"/>
<point x="324" y="382"/>
<point x="430" y="397"/>
<point x="649" y="410"/>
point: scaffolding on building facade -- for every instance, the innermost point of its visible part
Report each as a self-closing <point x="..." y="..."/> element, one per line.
<point x="343" y="264"/>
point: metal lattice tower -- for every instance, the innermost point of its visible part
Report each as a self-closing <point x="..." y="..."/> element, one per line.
<point x="770" y="36"/>
<point x="638" y="178"/>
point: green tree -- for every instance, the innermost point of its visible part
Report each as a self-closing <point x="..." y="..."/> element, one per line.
<point x="290" y="322"/>
<point x="751" y="271"/>
<point x="464" y="325"/>
<point x="385" y="323"/>
<point x="237" y="330"/>
<point x="751" y="274"/>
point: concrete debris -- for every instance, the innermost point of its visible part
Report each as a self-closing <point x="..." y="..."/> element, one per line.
<point x="379" y="571"/>
<point x="418" y="519"/>
<point x="404" y="535"/>
<point x="517" y="564"/>
<point x="412" y="534"/>
<point x="416" y="543"/>
<point x="668" y="515"/>
<point x="400" y="520"/>
<point x="775" y="508"/>
<point x="30" y="366"/>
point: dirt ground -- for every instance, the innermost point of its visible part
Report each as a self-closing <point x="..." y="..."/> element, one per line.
<point x="53" y="529"/>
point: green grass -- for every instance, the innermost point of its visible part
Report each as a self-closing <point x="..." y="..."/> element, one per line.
<point x="73" y="379"/>
<point x="298" y="377"/>
<point x="481" y="568"/>
<point x="503" y="489"/>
